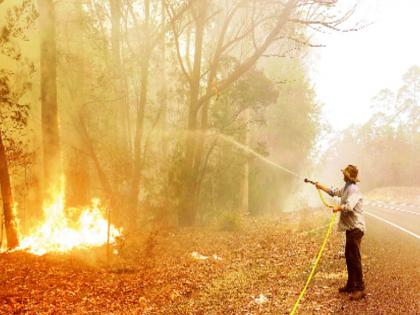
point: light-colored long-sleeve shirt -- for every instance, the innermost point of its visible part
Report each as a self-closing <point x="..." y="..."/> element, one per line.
<point x="351" y="216"/>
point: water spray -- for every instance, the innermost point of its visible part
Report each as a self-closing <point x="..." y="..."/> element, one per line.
<point x="254" y="153"/>
<point x="241" y="146"/>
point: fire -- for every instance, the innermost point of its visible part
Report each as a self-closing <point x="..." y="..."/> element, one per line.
<point x="67" y="229"/>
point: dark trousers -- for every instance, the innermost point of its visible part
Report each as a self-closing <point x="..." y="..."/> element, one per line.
<point x="354" y="260"/>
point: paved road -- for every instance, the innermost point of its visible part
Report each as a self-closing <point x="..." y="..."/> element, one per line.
<point x="407" y="216"/>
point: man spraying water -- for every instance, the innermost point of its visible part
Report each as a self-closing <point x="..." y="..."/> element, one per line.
<point x="351" y="221"/>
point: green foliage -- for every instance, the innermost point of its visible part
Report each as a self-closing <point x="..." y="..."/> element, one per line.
<point x="223" y="172"/>
<point x="291" y="127"/>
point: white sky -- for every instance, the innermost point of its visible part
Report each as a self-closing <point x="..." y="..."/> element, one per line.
<point x="355" y="66"/>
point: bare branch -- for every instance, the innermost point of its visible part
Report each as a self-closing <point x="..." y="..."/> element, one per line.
<point x="177" y="46"/>
<point x="247" y="64"/>
<point x="175" y="16"/>
<point x="302" y="42"/>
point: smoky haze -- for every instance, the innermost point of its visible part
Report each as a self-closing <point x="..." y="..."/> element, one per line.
<point x="122" y="101"/>
<point x="153" y="156"/>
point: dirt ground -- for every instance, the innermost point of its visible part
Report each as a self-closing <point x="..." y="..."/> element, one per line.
<point x="258" y="269"/>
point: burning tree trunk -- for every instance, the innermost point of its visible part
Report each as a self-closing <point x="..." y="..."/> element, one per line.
<point x="6" y="192"/>
<point x="49" y="111"/>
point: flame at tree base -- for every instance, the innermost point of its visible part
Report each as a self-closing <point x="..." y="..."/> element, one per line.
<point x="68" y="229"/>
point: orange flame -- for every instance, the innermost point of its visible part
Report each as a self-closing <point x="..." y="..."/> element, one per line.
<point x="66" y="229"/>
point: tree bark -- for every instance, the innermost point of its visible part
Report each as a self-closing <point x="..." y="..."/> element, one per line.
<point x="187" y="211"/>
<point x="163" y="120"/>
<point x="6" y="192"/>
<point x="106" y="185"/>
<point x="49" y="110"/>
<point x="78" y="182"/>
<point x="245" y="179"/>
<point x="164" y="88"/>
<point x="144" y="77"/>
<point x="116" y="36"/>
<point x="120" y="86"/>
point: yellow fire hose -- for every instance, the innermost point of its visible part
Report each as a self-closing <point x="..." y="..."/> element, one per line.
<point x="318" y="257"/>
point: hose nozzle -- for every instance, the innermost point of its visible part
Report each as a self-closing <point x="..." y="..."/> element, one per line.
<point x="309" y="181"/>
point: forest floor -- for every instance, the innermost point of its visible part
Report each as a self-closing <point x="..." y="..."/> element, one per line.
<point x="258" y="269"/>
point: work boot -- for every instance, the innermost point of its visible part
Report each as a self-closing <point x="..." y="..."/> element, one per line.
<point x="357" y="295"/>
<point x="345" y="289"/>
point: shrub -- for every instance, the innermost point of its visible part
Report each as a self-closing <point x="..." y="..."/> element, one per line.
<point x="229" y="221"/>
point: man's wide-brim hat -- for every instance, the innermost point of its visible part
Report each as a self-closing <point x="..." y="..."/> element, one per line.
<point x="351" y="172"/>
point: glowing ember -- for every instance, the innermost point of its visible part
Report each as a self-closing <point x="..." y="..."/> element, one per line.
<point x="66" y="229"/>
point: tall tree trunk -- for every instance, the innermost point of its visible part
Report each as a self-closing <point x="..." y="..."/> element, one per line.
<point x="6" y="193"/>
<point x="245" y="177"/>
<point x="106" y="185"/>
<point x="120" y="86"/>
<point x="187" y="211"/>
<point x="144" y="77"/>
<point x="116" y="37"/>
<point x="205" y="106"/>
<point x="164" y="87"/>
<point x="163" y="122"/>
<point x="78" y="181"/>
<point x="49" y="111"/>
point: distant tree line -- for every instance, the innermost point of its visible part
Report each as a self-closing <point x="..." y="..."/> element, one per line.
<point x="386" y="147"/>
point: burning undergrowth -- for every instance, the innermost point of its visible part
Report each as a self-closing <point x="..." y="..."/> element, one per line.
<point x="66" y="229"/>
